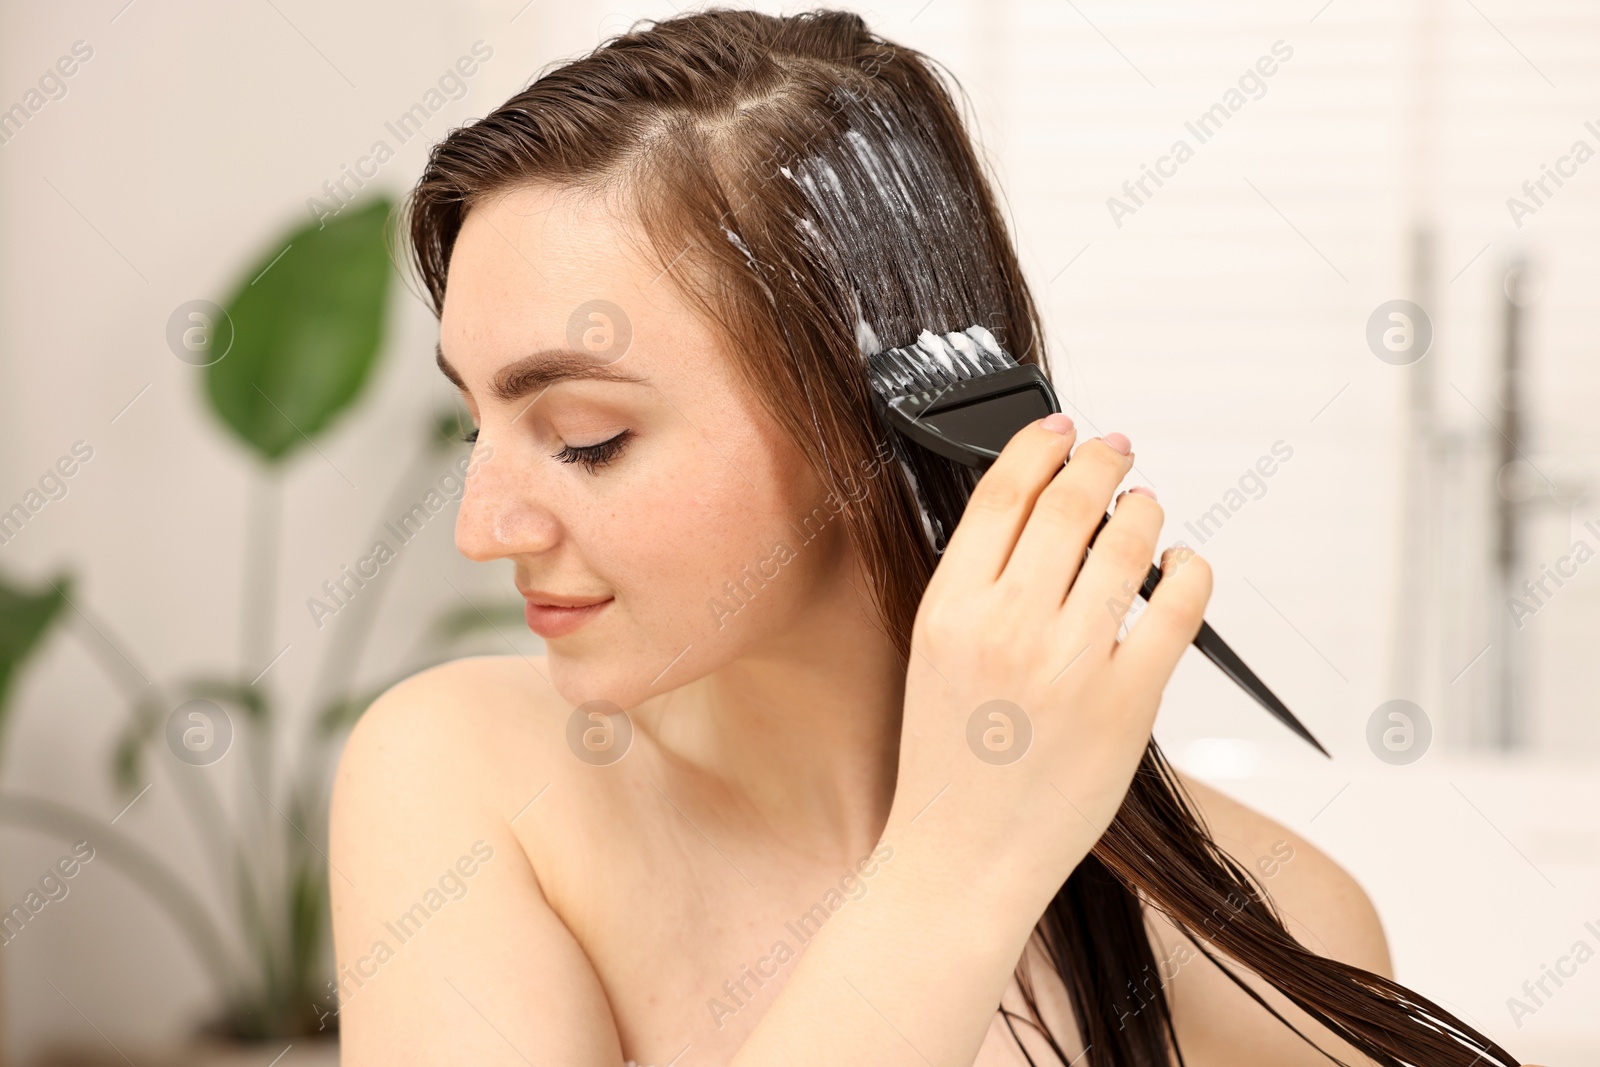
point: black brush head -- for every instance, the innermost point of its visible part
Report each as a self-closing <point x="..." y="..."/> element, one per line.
<point x="959" y="394"/>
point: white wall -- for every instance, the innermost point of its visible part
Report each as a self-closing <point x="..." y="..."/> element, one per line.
<point x="1225" y="314"/>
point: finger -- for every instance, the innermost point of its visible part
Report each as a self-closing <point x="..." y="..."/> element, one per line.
<point x="1000" y="502"/>
<point x="1119" y="559"/>
<point x="1171" y="620"/>
<point x="1062" y="524"/>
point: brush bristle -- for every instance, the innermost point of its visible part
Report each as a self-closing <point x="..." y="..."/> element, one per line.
<point x="935" y="362"/>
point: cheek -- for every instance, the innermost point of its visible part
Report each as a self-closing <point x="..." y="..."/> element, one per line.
<point x="714" y="537"/>
<point x="716" y="504"/>
<point x="703" y="575"/>
<point x="708" y="551"/>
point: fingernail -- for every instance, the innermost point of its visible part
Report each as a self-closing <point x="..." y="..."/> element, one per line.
<point x="1118" y="441"/>
<point x="1058" y="421"/>
<point x="1144" y="490"/>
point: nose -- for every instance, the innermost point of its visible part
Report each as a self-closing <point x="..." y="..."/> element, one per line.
<point x="500" y="513"/>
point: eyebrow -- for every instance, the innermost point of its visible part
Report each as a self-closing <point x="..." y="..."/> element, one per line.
<point x="537" y="372"/>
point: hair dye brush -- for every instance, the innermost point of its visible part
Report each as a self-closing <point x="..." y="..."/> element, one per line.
<point x="962" y="397"/>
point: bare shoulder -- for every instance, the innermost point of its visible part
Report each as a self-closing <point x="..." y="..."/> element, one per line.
<point x="1322" y="905"/>
<point x="456" y="709"/>
<point x="434" y="756"/>
<point x="447" y="950"/>
<point x="1321" y="902"/>
<point x="444" y="748"/>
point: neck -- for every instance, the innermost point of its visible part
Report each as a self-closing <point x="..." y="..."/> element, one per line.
<point x="798" y="739"/>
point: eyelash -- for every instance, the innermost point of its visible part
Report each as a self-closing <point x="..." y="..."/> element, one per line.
<point x="592" y="457"/>
<point x="595" y="456"/>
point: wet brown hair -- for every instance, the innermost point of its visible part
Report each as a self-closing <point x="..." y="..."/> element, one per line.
<point x="809" y="184"/>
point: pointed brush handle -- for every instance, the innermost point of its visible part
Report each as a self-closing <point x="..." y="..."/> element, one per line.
<point x="1218" y="652"/>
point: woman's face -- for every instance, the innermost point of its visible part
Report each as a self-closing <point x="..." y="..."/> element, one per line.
<point x="561" y="340"/>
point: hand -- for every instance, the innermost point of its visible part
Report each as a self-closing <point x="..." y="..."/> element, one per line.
<point x="1024" y="717"/>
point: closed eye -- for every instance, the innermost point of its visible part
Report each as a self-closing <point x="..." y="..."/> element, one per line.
<point x="592" y="457"/>
<point x="595" y="456"/>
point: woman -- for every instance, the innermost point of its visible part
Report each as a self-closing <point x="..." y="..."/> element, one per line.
<point x="733" y="816"/>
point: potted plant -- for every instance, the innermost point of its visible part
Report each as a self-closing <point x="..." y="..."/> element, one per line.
<point x="289" y="353"/>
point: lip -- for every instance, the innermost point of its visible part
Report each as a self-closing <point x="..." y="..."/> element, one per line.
<point x="556" y="620"/>
<point x="554" y="600"/>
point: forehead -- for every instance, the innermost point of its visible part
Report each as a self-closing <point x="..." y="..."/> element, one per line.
<point x="539" y="267"/>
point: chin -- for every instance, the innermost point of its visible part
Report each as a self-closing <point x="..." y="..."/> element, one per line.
<point x="606" y="673"/>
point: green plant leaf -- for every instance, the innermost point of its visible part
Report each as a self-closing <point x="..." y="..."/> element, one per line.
<point x="308" y="910"/>
<point x="448" y="428"/>
<point x="307" y="322"/>
<point x="127" y="762"/>
<point x="243" y="695"/>
<point x="341" y="715"/>
<point x="25" y="617"/>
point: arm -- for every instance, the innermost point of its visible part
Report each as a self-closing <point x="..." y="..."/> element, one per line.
<point x="438" y="965"/>
<point x="983" y="837"/>
<point x="910" y="975"/>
